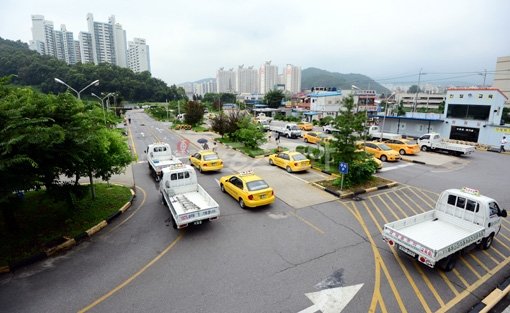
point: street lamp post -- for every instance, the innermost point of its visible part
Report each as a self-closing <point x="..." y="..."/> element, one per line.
<point x="96" y="82"/>
<point x="102" y="104"/>
<point x="385" y="113"/>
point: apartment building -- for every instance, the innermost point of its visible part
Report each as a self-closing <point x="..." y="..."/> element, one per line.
<point x="420" y="100"/>
<point x="268" y="77"/>
<point x="138" y="56"/>
<point x="225" y="80"/>
<point x="292" y="77"/>
<point x="246" y="80"/>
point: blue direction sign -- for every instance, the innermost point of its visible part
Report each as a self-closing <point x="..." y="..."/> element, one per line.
<point x="343" y="168"/>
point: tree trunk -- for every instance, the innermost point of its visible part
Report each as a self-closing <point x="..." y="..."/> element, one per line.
<point x="92" y="190"/>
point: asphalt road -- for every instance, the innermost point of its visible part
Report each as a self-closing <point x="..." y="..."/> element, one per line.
<point x="267" y="259"/>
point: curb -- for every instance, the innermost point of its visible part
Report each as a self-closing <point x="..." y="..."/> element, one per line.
<point x="413" y="161"/>
<point x="69" y="242"/>
<point x="493" y="298"/>
<point x="355" y="193"/>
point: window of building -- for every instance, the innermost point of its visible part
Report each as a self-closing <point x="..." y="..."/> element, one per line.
<point x="469" y="112"/>
<point x="490" y="96"/>
<point x="480" y="96"/>
<point x="461" y="96"/>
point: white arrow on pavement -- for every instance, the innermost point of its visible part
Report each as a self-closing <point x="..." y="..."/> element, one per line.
<point x="332" y="300"/>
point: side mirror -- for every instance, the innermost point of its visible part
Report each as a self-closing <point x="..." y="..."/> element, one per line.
<point x="144" y="151"/>
<point x="502" y="213"/>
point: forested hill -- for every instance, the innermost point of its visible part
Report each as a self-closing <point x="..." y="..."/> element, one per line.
<point x="314" y="77"/>
<point x="33" y="69"/>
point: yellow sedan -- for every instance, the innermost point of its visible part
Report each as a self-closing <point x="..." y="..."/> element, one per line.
<point x="292" y="161"/>
<point x="315" y="137"/>
<point x="305" y="126"/>
<point x="206" y="161"/>
<point x="381" y="151"/>
<point x="248" y="189"/>
<point x="403" y="146"/>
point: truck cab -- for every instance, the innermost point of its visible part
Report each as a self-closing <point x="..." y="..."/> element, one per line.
<point x="159" y="156"/>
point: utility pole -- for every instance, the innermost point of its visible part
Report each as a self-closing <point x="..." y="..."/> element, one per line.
<point x="417" y="91"/>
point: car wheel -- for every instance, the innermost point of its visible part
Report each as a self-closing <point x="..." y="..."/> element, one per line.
<point x="222" y="188"/>
<point x="241" y="203"/>
<point x="289" y="170"/>
<point x="402" y="152"/>
<point x="383" y="158"/>
<point x="449" y="263"/>
<point x="487" y="242"/>
<point x="424" y="148"/>
<point x="271" y="162"/>
<point x="306" y="140"/>
<point x="164" y="201"/>
<point x="200" y="169"/>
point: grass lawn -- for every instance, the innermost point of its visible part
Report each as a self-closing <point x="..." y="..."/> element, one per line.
<point x="240" y="146"/>
<point x="374" y="182"/>
<point x="43" y="221"/>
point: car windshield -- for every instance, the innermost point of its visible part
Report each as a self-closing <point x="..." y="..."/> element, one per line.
<point x="384" y="147"/>
<point x="210" y="157"/>
<point x="298" y="157"/>
<point x="294" y="127"/>
<point x="256" y="185"/>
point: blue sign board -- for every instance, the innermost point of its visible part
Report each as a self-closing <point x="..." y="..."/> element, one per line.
<point x="343" y="168"/>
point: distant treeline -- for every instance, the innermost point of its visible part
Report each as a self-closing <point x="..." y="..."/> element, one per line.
<point x="38" y="71"/>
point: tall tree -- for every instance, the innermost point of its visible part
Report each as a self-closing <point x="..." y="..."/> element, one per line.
<point x="194" y="113"/>
<point x="273" y="98"/>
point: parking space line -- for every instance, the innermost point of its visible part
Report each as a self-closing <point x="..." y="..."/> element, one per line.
<point x="307" y="223"/>
<point x="386" y="205"/>
<point x="397" y="206"/>
<point x="431" y="201"/>
<point x="456" y="272"/>
<point x="448" y="282"/>
<point x="501" y="242"/>
<point x="498" y="252"/>
<point x="490" y="256"/>
<point x="471" y="268"/>
<point x="428" y="283"/>
<point x="407" y="204"/>
<point x="378" y="258"/>
<point x="505" y="227"/>
<point x="419" y="207"/>
<point x="419" y="295"/>
<point x="477" y="260"/>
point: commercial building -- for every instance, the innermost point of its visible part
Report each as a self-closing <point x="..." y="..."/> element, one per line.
<point x="325" y="103"/>
<point x="138" y="56"/>
<point x="502" y="77"/>
<point x="420" y="100"/>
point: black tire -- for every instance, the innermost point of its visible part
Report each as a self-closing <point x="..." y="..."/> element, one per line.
<point x="164" y="201"/>
<point x="174" y="224"/>
<point x="402" y="152"/>
<point x="424" y="148"/>
<point x="383" y="158"/>
<point x="241" y="203"/>
<point x="289" y="170"/>
<point x="200" y="169"/>
<point x="449" y="262"/>
<point x="487" y="242"/>
<point x="306" y="140"/>
<point x="271" y="162"/>
<point x="222" y="188"/>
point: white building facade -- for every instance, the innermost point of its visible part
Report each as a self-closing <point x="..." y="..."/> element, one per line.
<point x="502" y="77"/>
<point x="246" y="80"/>
<point x="86" y="49"/>
<point x="292" y="78"/>
<point x="225" y="81"/>
<point x="138" y="56"/>
<point x="268" y="75"/>
<point x="120" y="42"/>
<point x="325" y="103"/>
<point x="103" y="46"/>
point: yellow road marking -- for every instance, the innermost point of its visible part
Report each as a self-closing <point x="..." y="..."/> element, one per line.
<point x="132" y="143"/>
<point x="386" y="205"/>
<point x="429" y="283"/>
<point x="448" y="282"/>
<point x="398" y="206"/>
<point x="477" y="260"/>
<point x="490" y="256"/>
<point x="133" y="277"/>
<point x="498" y="252"/>
<point x="308" y="223"/>
<point x="382" y="304"/>
<point x="460" y="277"/>
<point x="404" y="269"/>
<point x="469" y="290"/>
<point x="470" y="267"/>
<point x="501" y="242"/>
<point x="431" y="202"/>
<point x="416" y="204"/>
<point x="407" y="204"/>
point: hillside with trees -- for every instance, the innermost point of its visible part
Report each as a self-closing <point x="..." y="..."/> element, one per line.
<point x="38" y="71"/>
<point x="314" y="77"/>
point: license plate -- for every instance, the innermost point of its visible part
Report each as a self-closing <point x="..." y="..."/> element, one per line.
<point x="213" y="164"/>
<point x="262" y="196"/>
<point x="404" y="249"/>
<point x="197" y="222"/>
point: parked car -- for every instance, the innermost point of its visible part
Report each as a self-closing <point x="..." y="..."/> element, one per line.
<point x="381" y="151"/>
<point x="248" y="189"/>
<point x="206" y="160"/>
<point x="292" y="161"/>
<point x="305" y="126"/>
<point x="314" y="137"/>
<point x="403" y="146"/>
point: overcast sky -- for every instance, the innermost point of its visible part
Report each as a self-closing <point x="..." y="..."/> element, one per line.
<point x="189" y="40"/>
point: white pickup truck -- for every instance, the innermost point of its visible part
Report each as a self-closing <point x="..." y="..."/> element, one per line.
<point x="329" y="129"/>
<point x="461" y="219"/>
<point x="374" y="132"/>
<point x="434" y="142"/>
<point x="187" y="201"/>
<point x="289" y="130"/>
<point x="159" y="156"/>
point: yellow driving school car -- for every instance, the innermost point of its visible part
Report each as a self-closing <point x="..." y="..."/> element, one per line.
<point x="403" y="146"/>
<point x="305" y="126"/>
<point x="381" y="151"/>
<point x="292" y="161"/>
<point x="206" y="160"/>
<point x="248" y="189"/>
<point x="316" y="137"/>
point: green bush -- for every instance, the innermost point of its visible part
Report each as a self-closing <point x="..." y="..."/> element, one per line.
<point x="325" y="120"/>
<point x="360" y="171"/>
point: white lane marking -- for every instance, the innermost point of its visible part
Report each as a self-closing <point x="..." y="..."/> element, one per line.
<point x="332" y="300"/>
<point x="385" y="169"/>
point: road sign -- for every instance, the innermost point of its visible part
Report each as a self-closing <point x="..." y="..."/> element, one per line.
<point x="343" y="168"/>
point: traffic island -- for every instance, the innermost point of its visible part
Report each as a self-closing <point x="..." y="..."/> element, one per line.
<point x="377" y="183"/>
